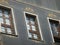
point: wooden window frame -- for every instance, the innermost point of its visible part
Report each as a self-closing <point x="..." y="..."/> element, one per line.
<point x="14" y="22"/>
<point x="39" y="28"/>
<point x="50" y="27"/>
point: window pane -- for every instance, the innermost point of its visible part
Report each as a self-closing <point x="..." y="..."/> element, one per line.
<point x="28" y="27"/>
<point x="7" y="21"/>
<point x="1" y="20"/>
<point x="31" y="19"/>
<point x="9" y="31"/>
<point x="30" y="35"/>
<point x="0" y="12"/>
<point x="54" y="30"/>
<point x="27" y="20"/>
<point x="6" y="14"/>
<point x="3" y="29"/>
<point x="32" y="22"/>
<point x="33" y="28"/>
<point x="35" y="36"/>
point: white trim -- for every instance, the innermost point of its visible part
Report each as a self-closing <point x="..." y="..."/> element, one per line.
<point x="14" y="22"/>
<point x="37" y="22"/>
<point x="12" y="17"/>
<point x="5" y="6"/>
<point x="50" y="27"/>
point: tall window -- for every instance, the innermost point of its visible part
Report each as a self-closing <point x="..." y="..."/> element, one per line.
<point x="32" y="27"/>
<point x="55" y="27"/>
<point x="6" y="20"/>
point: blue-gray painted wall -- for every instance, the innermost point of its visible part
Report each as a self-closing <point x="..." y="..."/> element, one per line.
<point x="19" y="8"/>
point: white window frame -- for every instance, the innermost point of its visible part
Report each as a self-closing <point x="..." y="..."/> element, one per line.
<point x="14" y="22"/>
<point x="50" y="27"/>
<point x="37" y="22"/>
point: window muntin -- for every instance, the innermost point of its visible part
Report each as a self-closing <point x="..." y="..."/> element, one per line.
<point x="32" y="27"/>
<point x="55" y="27"/>
<point x="6" y="20"/>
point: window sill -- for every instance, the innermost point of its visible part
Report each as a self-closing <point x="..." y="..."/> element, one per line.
<point x="9" y="34"/>
<point x="40" y="41"/>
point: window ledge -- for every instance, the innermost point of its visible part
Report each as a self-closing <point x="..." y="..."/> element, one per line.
<point x="9" y="34"/>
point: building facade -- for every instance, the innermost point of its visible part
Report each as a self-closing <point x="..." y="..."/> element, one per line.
<point x="29" y="22"/>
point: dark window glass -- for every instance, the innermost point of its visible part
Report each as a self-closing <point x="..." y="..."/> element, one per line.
<point x="55" y="27"/>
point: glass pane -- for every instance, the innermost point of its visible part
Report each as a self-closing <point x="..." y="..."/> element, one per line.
<point x="27" y="20"/>
<point x="54" y="30"/>
<point x="3" y="29"/>
<point x="33" y="28"/>
<point x="6" y="14"/>
<point x="35" y="36"/>
<point x="32" y="22"/>
<point x="31" y="19"/>
<point x="7" y="21"/>
<point x="28" y="27"/>
<point x="1" y="20"/>
<point x="9" y="31"/>
<point x="0" y="11"/>
<point x="30" y="35"/>
<point x="0" y="14"/>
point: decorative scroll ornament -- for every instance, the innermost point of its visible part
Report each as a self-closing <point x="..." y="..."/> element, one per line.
<point x="52" y="15"/>
<point x="29" y="9"/>
<point x="4" y="1"/>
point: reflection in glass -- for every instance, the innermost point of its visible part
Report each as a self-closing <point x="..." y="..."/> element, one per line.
<point x="32" y="22"/>
<point x="6" y="14"/>
<point x="0" y="14"/>
<point x="35" y="36"/>
<point x="27" y="21"/>
<point x="28" y="27"/>
<point x="30" y="35"/>
<point x="54" y="30"/>
<point x="31" y="19"/>
<point x="0" y="11"/>
<point x="3" y="29"/>
<point x="27" y="18"/>
<point x="7" y="21"/>
<point x="1" y="20"/>
<point x="33" y="28"/>
<point x="8" y="30"/>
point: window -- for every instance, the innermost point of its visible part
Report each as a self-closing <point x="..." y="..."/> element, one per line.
<point x="6" y="20"/>
<point x="55" y="27"/>
<point x="32" y="27"/>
